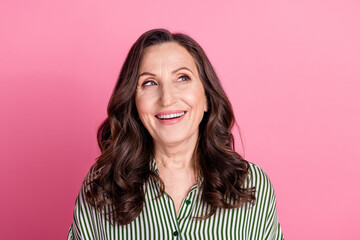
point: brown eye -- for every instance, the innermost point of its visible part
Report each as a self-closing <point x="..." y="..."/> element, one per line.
<point x="183" y="78"/>
<point x="148" y="83"/>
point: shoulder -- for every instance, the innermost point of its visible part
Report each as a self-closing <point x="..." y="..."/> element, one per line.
<point x="265" y="203"/>
<point x="257" y="176"/>
<point x="86" y="218"/>
<point x="258" y="179"/>
<point x="82" y="202"/>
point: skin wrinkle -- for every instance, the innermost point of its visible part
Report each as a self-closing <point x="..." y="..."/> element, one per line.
<point x="176" y="70"/>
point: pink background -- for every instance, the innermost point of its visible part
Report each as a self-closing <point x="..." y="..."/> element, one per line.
<point x="290" y="68"/>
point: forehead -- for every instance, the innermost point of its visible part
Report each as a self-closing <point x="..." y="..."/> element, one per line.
<point x="169" y="55"/>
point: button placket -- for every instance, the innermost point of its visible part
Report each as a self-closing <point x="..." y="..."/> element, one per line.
<point x="187" y="209"/>
<point x="171" y="207"/>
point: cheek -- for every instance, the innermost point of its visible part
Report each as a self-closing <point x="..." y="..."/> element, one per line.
<point x="143" y="106"/>
<point x="197" y="98"/>
<point x="140" y="106"/>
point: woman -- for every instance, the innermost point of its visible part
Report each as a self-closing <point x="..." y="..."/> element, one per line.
<point x="168" y="168"/>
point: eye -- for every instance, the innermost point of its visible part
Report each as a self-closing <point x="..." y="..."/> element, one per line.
<point x="148" y="83"/>
<point x="183" y="78"/>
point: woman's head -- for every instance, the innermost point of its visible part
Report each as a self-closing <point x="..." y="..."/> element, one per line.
<point x="170" y="98"/>
<point x="125" y="93"/>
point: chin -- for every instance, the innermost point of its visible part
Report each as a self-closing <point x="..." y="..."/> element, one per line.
<point x="170" y="139"/>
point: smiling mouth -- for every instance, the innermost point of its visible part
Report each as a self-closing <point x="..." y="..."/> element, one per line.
<point x="170" y="116"/>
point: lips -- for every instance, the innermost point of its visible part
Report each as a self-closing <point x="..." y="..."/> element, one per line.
<point x="170" y="117"/>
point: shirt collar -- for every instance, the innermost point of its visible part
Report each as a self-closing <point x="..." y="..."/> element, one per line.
<point x="153" y="167"/>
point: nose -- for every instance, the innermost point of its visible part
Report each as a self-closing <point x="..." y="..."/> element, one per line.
<point x="167" y="95"/>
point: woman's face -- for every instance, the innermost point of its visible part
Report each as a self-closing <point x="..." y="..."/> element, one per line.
<point x="170" y="97"/>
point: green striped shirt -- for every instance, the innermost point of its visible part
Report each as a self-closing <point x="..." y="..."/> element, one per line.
<point x="159" y="220"/>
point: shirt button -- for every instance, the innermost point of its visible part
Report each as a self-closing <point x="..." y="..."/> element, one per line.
<point x="175" y="233"/>
<point x="187" y="202"/>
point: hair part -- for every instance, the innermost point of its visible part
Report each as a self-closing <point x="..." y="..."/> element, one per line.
<point x="119" y="175"/>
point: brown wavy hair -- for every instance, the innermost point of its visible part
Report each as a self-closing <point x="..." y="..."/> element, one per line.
<point x="119" y="175"/>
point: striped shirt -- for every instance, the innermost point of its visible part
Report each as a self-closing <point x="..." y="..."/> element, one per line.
<point x="158" y="219"/>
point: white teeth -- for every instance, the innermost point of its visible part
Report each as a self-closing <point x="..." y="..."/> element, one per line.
<point x="169" y="116"/>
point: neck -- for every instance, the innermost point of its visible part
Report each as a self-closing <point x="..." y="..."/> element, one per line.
<point x="176" y="167"/>
<point x="179" y="156"/>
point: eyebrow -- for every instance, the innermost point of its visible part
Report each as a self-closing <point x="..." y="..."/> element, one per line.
<point x="181" y="68"/>
<point x="146" y="73"/>
<point x="176" y="70"/>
